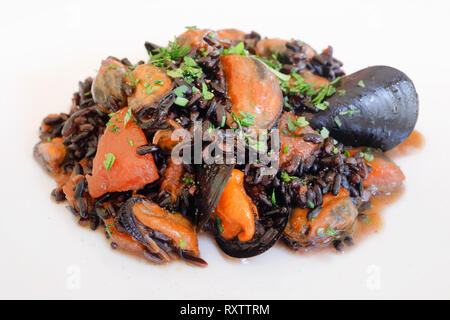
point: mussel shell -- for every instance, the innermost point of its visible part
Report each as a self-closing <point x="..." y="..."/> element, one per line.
<point x="108" y="88"/>
<point x="150" y="117"/>
<point x="388" y="109"/>
<point x="211" y="180"/>
<point x="267" y="232"/>
<point x="128" y="220"/>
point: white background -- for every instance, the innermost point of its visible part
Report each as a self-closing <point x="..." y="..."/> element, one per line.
<point x="46" y="47"/>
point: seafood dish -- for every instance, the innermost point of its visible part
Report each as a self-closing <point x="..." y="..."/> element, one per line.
<point x="255" y="141"/>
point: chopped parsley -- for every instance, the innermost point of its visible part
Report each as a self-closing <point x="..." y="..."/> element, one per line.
<point x="247" y="120"/>
<point x="175" y="73"/>
<point x="207" y="95"/>
<point x="367" y="156"/>
<point x="342" y="92"/>
<point x="128" y="117"/>
<point x="114" y="129"/>
<point x="181" y="90"/>
<point x="324" y="133"/>
<point x="130" y="142"/>
<point x="343" y="113"/>
<point x="188" y="180"/>
<point x="301" y="86"/>
<point x="108" y="163"/>
<point x="191" y="27"/>
<point x="219" y="224"/>
<point x="298" y="122"/>
<point x="361" y="84"/>
<point x="237" y="49"/>
<point x="337" y="121"/>
<point x="180" y="101"/>
<point x="224" y="119"/>
<point x="331" y="232"/>
<point x="286" y="149"/>
<point x="182" y="243"/>
<point x="310" y="204"/>
<point x="273" y="198"/>
<point x="108" y="228"/>
<point x="287" y="178"/>
<point x="159" y="81"/>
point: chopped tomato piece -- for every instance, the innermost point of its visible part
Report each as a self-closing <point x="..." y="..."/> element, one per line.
<point x="117" y="166"/>
<point x="236" y="210"/>
<point x="253" y="89"/>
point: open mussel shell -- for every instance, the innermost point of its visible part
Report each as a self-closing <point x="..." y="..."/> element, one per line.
<point x="268" y="229"/>
<point x="378" y="109"/>
<point x="211" y="180"/>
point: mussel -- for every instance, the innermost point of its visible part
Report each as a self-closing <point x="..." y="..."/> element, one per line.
<point x="164" y="234"/>
<point x="50" y="154"/>
<point x="375" y="107"/>
<point x="109" y="89"/>
<point x="256" y="97"/>
<point x="152" y="116"/>
<point x="333" y="220"/>
<point x="211" y="180"/>
<point x="240" y="230"/>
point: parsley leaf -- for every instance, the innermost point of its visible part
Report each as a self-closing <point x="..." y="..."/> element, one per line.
<point x="108" y="163"/>
<point x="207" y="95"/>
<point x="127" y="118"/>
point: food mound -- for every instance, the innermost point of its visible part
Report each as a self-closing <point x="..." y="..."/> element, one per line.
<point x="112" y="155"/>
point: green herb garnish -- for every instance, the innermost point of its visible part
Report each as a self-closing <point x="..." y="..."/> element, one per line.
<point x="273" y="199"/>
<point x="180" y="101"/>
<point x="219" y="224"/>
<point x="108" y="228"/>
<point x="237" y="49"/>
<point x="207" y="95"/>
<point x="331" y="232"/>
<point x="343" y="113"/>
<point x="361" y="84"/>
<point x="128" y="117"/>
<point x="287" y="178"/>
<point x="337" y="121"/>
<point x="324" y="133"/>
<point x="108" y="163"/>
<point x="188" y="180"/>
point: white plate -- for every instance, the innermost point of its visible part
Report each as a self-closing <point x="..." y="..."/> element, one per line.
<point x="48" y="47"/>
